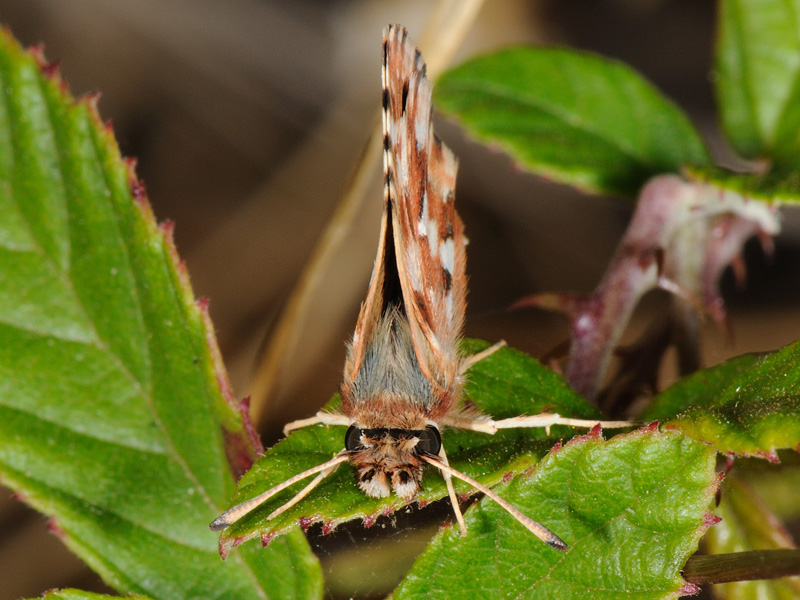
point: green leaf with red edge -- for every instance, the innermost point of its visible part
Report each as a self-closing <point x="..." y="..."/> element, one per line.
<point x="748" y="405"/>
<point x="114" y="417"/>
<point x="571" y="116"/>
<point x="775" y="187"/>
<point x="631" y="509"/>
<point x="748" y="524"/>
<point x="506" y="384"/>
<point x="757" y="67"/>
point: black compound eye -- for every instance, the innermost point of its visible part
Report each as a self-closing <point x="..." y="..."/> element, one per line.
<point x="352" y="439"/>
<point x="430" y="442"/>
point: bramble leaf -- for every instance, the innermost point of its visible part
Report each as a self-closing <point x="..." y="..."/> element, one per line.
<point x="112" y="417"/>
<point x="758" y="78"/>
<point x="631" y="509"/>
<point x="574" y="117"/>
<point x="749" y="405"/>
<point x="70" y="594"/>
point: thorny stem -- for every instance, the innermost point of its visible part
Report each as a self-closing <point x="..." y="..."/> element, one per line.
<point x="742" y="566"/>
<point x="681" y="238"/>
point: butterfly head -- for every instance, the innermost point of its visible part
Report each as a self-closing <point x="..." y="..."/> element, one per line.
<point x="388" y="459"/>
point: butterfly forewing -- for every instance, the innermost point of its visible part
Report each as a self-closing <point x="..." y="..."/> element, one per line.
<point x="428" y="235"/>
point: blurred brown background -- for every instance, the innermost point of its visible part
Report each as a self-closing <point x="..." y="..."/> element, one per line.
<point x="247" y="118"/>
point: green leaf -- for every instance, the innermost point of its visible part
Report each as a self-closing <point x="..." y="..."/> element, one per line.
<point x="758" y="77"/>
<point x="748" y="405"/>
<point x="773" y="187"/>
<point x="573" y="117"/>
<point x="110" y="399"/>
<point x="631" y="509"/>
<point x="747" y="524"/>
<point x="506" y="384"/>
<point x="70" y="594"/>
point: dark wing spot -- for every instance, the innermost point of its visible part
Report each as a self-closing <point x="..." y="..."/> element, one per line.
<point x="387" y="141"/>
<point x="448" y="279"/>
<point x="420" y="209"/>
<point x="422" y="184"/>
<point x="422" y="307"/>
<point x="405" y="95"/>
<point x="420" y="63"/>
<point x="367" y="476"/>
<point x="447" y="234"/>
<point x="385" y="99"/>
<point x="403" y="476"/>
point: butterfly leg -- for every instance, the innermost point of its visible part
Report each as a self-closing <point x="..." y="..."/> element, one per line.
<point x="323" y="417"/>
<point x="451" y="491"/>
<point x="480" y="424"/>
<point x="546" y="420"/>
<point x="468" y="361"/>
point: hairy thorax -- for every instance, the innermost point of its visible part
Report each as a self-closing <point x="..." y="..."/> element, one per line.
<point x="390" y="401"/>
<point x="386" y="439"/>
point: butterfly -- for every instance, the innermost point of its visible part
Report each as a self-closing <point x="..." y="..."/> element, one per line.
<point x="404" y="374"/>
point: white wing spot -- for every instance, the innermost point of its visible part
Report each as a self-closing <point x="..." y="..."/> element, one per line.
<point x="433" y="229"/>
<point x="447" y="254"/>
<point x="423" y="217"/>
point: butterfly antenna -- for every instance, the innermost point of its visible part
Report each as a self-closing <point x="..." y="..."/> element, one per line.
<point x="230" y="516"/>
<point x="536" y="528"/>
<point x="304" y="492"/>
